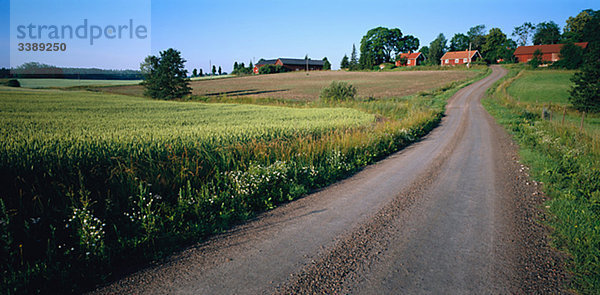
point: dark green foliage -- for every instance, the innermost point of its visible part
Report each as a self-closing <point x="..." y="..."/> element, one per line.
<point x="523" y="32"/>
<point x="220" y="70"/>
<point x="165" y="76"/>
<point x="201" y="73"/>
<point x="235" y="66"/>
<point x="353" y="58"/>
<point x="476" y="36"/>
<point x="571" y="57"/>
<point x="326" y="64"/>
<point x="271" y="69"/>
<point x="13" y="83"/>
<point x="459" y="42"/>
<point x="546" y="33"/>
<point x="381" y="44"/>
<point x="585" y="94"/>
<point x="345" y="63"/>
<point x="194" y="73"/>
<point x="214" y="70"/>
<point x="338" y="91"/>
<point x="403" y="61"/>
<point x="574" y="30"/>
<point x="497" y="46"/>
<point x="536" y="61"/>
<point x="437" y="48"/>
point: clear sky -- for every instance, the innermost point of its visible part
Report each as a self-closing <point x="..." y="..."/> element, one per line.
<point x="221" y="32"/>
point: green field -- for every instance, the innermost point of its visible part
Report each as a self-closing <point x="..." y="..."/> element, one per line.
<point x="562" y="156"/>
<point x="542" y="87"/>
<point x="62" y="83"/>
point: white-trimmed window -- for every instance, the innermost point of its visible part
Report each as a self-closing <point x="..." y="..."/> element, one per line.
<point x="465" y="60"/>
<point x="447" y="61"/>
<point x="456" y="60"/>
<point x="408" y="62"/>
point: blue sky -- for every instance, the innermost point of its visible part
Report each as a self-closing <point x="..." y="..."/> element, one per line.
<point x="221" y="32"/>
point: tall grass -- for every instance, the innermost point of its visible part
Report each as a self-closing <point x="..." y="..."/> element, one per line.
<point x="567" y="161"/>
<point x="93" y="182"/>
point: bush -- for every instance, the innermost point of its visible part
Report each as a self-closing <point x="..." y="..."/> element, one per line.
<point x="571" y="57"/>
<point x="338" y="91"/>
<point x="13" y="83"/>
<point x="271" y="69"/>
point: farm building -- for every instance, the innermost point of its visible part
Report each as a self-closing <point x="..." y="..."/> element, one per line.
<point x="452" y="58"/>
<point x="550" y="52"/>
<point x="412" y="59"/>
<point x="292" y="64"/>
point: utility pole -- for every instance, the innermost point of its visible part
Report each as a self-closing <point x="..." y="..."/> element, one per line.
<point x="469" y="56"/>
<point x="306" y="58"/>
<point x="209" y="66"/>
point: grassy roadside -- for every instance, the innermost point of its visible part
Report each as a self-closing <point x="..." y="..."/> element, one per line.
<point x="76" y="209"/>
<point x="561" y="156"/>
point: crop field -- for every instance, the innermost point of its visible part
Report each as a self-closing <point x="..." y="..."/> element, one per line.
<point x="300" y="86"/>
<point x="94" y="181"/>
<point x="62" y="83"/>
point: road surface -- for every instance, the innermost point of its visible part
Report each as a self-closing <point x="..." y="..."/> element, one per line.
<point x="454" y="213"/>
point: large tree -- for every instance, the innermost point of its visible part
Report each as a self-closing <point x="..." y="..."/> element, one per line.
<point x="411" y="43"/>
<point x="437" y="48"/>
<point x="546" y="33"/>
<point x="476" y="36"/>
<point x="523" y="32"/>
<point x="497" y="46"/>
<point x="345" y="63"/>
<point x="585" y="94"/>
<point x="353" y="58"/>
<point x="573" y="31"/>
<point x="165" y="76"/>
<point x="381" y="45"/>
<point x="459" y="42"/>
<point x="326" y="64"/>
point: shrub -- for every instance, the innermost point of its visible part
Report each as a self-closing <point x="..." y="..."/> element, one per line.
<point x="536" y="61"/>
<point x="571" y="57"/>
<point x="13" y="83"/>
<point x="338" y="91"/>
<point x="271" y="69"/>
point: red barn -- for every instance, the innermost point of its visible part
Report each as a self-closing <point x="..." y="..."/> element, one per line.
<point x="412" y="59"/>
<point x="291" y="64"/>
<point x="550" y="52"/>
<point x="452" y="58"/>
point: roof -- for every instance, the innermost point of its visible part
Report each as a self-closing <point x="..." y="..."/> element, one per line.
<point x="460" y="54"/>
<point x="301" y="62"/>
<point x="548" y="48"/>
<point x="410" y="55"/>
<point x="266" y="62"/>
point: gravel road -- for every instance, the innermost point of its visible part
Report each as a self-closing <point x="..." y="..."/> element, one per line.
<point x="454" y="213"/>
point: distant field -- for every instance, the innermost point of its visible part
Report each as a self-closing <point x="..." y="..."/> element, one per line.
<point x="542" y="86"/>
<point x="300" y="86"/>
<point x="48" y="83"/>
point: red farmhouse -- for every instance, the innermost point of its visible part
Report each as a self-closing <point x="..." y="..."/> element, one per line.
<point x="412" y="59"/>
<point x="452" y="58"/>
<point x="292" y="64"/>
<point x="550" y="52"/>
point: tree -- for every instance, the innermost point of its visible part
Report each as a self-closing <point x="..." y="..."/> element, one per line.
<point x="380" y="45"/>
<point x="251" y="65"/>
<point x="235" y="66"/>
<point x="353" y="58"/>
<point x="411" y="43"/>
<point x="546" y="33"/>
<point x="201" y="73"/>
<point x="437" y="48"/>
<point x="573" y="31"/>
<point x="496" y="46"/>
<point x="345" y="63"/>
<point x="523" y="32"/>
<point x="536" y="61"/>
<point x="476" y="36"/>
<point x="425" y="51"/>
<point x="326" y="64"/>
<point x="571" y="57"/>
<point x="459" y="42"/>
<point x="214" y="70"/>
<point x="194" y="73"/>
<point x="219" y="70"/>
<point x="585" y="94"/>
<point x="165" y="76"/>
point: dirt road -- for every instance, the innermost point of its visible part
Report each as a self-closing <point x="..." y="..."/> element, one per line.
<point x="454" y="213"/>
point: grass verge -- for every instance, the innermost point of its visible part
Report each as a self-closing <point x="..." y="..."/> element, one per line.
<point x="566" y="160"/>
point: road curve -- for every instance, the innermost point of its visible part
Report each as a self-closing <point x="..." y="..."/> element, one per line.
<point x="432" y="218"/>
